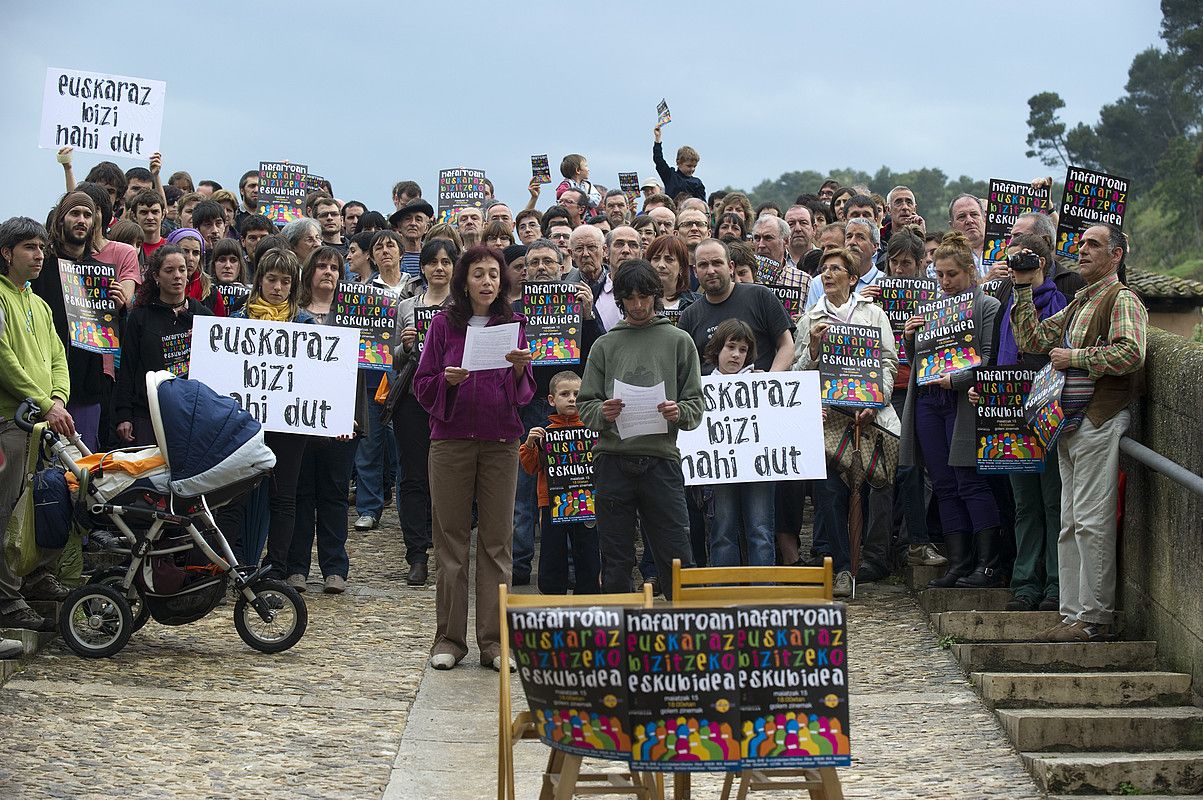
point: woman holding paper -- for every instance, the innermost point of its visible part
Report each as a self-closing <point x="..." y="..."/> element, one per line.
<point x="842" y="306"/>
<point x="474" y="433"/>
<point x="939" y="431"/>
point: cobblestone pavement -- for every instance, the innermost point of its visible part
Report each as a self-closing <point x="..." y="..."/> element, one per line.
<point x="192" y="712"/>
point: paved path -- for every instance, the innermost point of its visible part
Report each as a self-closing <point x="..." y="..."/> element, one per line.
<point x="192" y="712"/>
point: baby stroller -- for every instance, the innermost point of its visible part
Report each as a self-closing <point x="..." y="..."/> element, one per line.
<point x="152" y="508"/>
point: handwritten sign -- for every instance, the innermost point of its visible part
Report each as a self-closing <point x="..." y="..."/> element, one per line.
<point x="282" y="190"/>
<point x="1004" y="442"/>
<point x="1005" y="201"/>
<point x="946" y="343"/>
<point x="291" y="378"/>
<point x="553" y="322"/>
<point x="91" y="312"/>
<point x="373" y="310"/>
<point x="109" y="114"/>
<point x="850" y="366"/>
<point x="540" y="169"/>
<point x="761" y="426"/>
<point x="1090" y="198"/>
<point x="459" y="188"/>
<point x="568" y="456"/>
<point x="901" y="298"/>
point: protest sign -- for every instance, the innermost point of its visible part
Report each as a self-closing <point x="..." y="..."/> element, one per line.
<point x="91" y="312"/>
<point x="109" y="114"/>
<point x="1004" y="442"/>
<point x="177" y="349"/>
<point x="761" y="426"/>
<point x="373" y="310"/>
<point x="673" y="315"/>
<point x="314" y="183"/>
<point x="767" y="269"/>
<point x="629" y="183"/>
<point x="663" y="115"/>
<point x="946" y="343"/>
<point x="793" y="298"/>
<point x="1090" y="198"/>
<point x="793" y="678"/>
<point x="1042" y="409"/>
<point x="540" y="169"/>
<point x="901" y="298"/>
<point x="292" y="378"/>
<point x="570" y="661"/>
<point x="235" y="294"/>
<point x="553" y="322"/>
<point x="1005" y="201"/>
<point x="683" y="699"/>
<point x="458" y="188"/>
<point x="422" y="317"/>
<point x="282" y="190"/>
<point x="568" y="456"/>
<point x="850" y="366"/>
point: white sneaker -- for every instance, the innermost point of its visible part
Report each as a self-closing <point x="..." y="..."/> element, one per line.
<point x="365" y="522"/>
<point x="842" y="586"/>
<point x="497" y="664"/>
<point x="442" y="661"/>
<point x="924" y="555"/>
<point x="296" y="581"/>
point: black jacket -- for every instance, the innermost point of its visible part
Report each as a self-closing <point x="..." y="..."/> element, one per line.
<point x="674" y="181"/>
<point x="148" y="328"/>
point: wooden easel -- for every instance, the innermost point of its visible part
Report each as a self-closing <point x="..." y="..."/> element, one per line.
<point x="562" y="776"/>
<point x="751" y="586"/>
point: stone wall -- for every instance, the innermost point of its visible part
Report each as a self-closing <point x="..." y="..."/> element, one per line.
<point x="1161" y="568"/>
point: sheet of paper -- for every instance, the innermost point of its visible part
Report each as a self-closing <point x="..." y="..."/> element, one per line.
<point x="639" y="416"/>
<point x="486" y="348"/>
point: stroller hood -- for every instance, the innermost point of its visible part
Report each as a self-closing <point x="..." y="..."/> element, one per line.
<point x="209" y="440"/>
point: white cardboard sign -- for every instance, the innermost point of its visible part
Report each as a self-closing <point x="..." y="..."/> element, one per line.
<point x="758" y="426"/>
<point x="114" y="115"/>
<point x="292" y="378"/>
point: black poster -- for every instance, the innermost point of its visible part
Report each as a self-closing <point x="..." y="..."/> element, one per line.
<point x="568" y="456"/>
<point x="1090" y="198"/>
<point x="422" y="317"/>
<point x="1004" y="441"/>
<point x="901" y="298"/>
<point x="372" y="309"/>
<point x="850" y="367"/>
<point x="553" y="322"/>
<point x="946" y="344"/>
<point x="1005" y="202"/>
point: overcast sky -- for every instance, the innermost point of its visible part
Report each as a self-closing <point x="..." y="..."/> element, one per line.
<point x="372" y="92"/>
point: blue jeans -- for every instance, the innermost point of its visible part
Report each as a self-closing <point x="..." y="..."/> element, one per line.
<point x="742" y="509"/>
<point x="966" y="501"/>
<point x="322" y="508"/>
<point x="526" y="496"/>
<point x="555" y="544"/>
<point x="376" y="459"/>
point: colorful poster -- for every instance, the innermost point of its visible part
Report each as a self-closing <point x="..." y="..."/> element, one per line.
<point x="568" y="456"/>
<point x="113" y="115"/>
<point x="901" y="298"/>
<point x="1090" y="198"/>
<point x="540" y="168"/>
<point x="1005" y="201"/>
<point x="553" y="322"/>
<point x="458" y="188"/>
<point x="372" y="309"/>
<point x="1042" y="409"/>
<point x="629" y="183"/>
<point x="683" y="689"/>
<point x="314" y="183"/>
<point x="946" y="343"/>
<point x="663" y="115"/>
<point x="570" y="661"/>
<point x="282" y="190"/>
<point x="235" y="294"/>
<point x="850" y="368"/>
<point x="767" y="269"/>
<point x="91" y="312"/>
<point x="176" y="352"/>
<point x="673" y="315"/>
<point x="1004" y="442"/>
<point x="793" y="298"/>
<point x="793" y="677"/>
<point x="422" y="317"/>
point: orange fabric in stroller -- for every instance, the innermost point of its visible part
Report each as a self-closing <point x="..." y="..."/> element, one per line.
<point x="130" y="466"/>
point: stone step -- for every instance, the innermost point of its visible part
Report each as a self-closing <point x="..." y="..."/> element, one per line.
<point x="1103" y="729"/>
<point x="33" y="640"/>
<point x="45" y="608"/>
<point x="1117" y="773"/>
<point x="1056" y="656"/>
<point x="917" y="578"/>
<point x="1112" y="797"/>
<point x="994" y="626"/>
<point x="1067" y="689"/>
<point x="8" y="668"/>
<point x="935" y="601"/>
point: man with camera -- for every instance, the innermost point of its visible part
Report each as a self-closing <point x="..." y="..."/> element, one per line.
<point x="1101" y="334"/>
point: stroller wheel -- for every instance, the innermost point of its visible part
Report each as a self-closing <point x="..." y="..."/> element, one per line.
<point x="288" y="617"/>
<point x="113" y="576"/>
<point x="95" y="621"/>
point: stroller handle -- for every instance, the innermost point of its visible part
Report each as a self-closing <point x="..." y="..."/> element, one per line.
<point x="28" y="414"/>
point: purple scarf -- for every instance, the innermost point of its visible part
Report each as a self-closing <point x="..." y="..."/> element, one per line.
<point x="1048" y="301"/>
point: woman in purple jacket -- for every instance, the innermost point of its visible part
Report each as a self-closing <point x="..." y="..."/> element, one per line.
<point x="474" y="433"/>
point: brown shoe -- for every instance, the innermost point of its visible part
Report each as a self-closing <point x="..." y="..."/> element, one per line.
<point x="1083" y="631"/>
<point x="1047" y="634"/>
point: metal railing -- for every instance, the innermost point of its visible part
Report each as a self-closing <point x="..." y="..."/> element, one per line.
<point x="1159" y="463"/>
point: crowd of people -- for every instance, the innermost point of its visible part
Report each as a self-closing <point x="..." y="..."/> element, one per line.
<point x="670" y="286"/>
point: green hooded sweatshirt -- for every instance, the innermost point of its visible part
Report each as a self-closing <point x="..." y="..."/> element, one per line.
<point x="32" y="361"/>
<point x="642" y="356"/>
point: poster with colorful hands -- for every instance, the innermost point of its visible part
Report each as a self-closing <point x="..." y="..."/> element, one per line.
<point x="540" y="169"/>
<point x="570" y="661"/>
<point x="793" y="677"/>
<point x="568" y="456"/>
<point x="1090" y="198"/>
<point x="683" y="689"/>
<point x="1005" y="201"/>
<point x="177" y="352"/>
<point x="91" y="311"/>
<point x="946" y="343"/>
<point x="458" y="188"/>
<point x="901" y="298"/>
<point x="1005" y="444"/>
<point x="792" y="298"/>
<point x="282" y="190"/>
<point x="1042" y="409"/>
<point x="372" y="309"/>
<point x="850" y="368"/>
<point x="553" y="322"/>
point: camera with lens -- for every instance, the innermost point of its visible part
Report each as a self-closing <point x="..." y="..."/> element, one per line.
<point x="1024" y="262"/>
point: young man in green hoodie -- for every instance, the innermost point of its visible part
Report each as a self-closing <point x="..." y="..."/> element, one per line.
<point x="639" y="477"/>
<point x="32" y="364"/>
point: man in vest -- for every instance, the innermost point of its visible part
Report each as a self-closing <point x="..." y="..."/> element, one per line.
<point x="1101" y="332"/>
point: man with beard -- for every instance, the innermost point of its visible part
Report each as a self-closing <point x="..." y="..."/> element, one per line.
<point x="352" y="210"/>
<point x="330" y="218"/>
<point x="248" y="189"/>
<point x="209" y="218"/>
<point x="862" y="237"/>
<point x="412" y="221"/>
